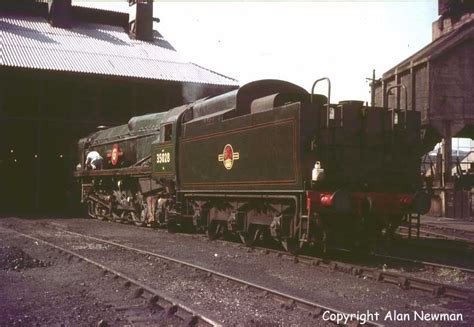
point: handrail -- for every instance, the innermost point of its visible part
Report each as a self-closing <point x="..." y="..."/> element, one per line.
<point x="329" y="95"/>
<point x="398" y="86"/>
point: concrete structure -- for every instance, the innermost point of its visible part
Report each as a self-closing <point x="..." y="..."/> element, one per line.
<point x="439" y="83"/>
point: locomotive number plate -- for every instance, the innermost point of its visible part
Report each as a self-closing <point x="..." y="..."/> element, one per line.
<point x="163" y="159"/>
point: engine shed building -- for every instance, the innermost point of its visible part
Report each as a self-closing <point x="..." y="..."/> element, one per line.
<point x="65" y="70"/>
<point x="438" y="81"/>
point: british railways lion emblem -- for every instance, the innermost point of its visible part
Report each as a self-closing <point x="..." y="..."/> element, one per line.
<point x="228" y="156"/>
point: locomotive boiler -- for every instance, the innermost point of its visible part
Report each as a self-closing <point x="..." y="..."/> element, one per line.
<point x="268" y="160"/>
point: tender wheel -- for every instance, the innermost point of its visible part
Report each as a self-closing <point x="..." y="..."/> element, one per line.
<point x="321" y="242"/>
<point x="97" y="211"/>
<point x="160" y="216"/>
<point x="214" y="230"/>
<point x="393" y="224"/>
<point x="363" y="236"/>
<point x="171" y="226"/>
<point x="251" y="237"/>
<point x="188" y="227"/>
<point x="247" y="238"/>
<point x="91" y="209"/>
<point x="291" y="245"/>
<point x="140" y="215"/>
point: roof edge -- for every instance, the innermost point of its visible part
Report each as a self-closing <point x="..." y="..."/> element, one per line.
<point x="436" y="47"/>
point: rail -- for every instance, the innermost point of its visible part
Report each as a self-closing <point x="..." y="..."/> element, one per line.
<point x="315" y="308"/>
<point x="174" y="307"/>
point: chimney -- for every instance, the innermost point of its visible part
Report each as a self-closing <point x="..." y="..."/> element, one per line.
<point x="60" y="13"/>
<point x="453" y="14"/>
<point x="141" y="19"/>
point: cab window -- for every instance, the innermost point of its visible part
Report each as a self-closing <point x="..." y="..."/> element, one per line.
<point x="168" y="132"/>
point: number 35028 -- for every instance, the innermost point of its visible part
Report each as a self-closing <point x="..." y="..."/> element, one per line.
<point x="164" y="157"/>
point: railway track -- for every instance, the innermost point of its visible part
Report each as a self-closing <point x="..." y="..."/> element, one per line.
<point x="425" y="264"/>
<point x="170" y="306"/>
<point x="313" y="309"/>
<point x="445" y="230"/>
<point x="435" y="233"/>
<point x="381" y="259"/>
<point x="462" y="247"/>
<point x="437" y="251"/>
<point x="403" y="280"/>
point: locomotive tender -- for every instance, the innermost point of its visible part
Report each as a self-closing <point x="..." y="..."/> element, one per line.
<point x="266" y="160"/>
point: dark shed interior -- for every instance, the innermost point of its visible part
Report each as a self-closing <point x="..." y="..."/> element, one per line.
<point x="62" y="78"/>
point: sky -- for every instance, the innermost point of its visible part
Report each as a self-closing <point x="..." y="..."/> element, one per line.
<point x="296" y="41"/>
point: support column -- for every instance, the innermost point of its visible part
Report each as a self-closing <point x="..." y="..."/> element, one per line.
<point x="134" y="100"/>
<point x="397" y="99"/>
<point x="3" y="116"/>
<point x="447" y="179"/>
<point x="413" y="90"/>
<point x="447" y="154"/>
<point x="372" y="89"/>
<point x="39" y="135"/>
<point x="384" y="91"/>
<point x="3" y="146"/>
<point x="2" y="99"/>
<point x="97" y="113"/>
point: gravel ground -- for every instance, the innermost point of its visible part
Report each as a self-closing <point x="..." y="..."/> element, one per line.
<point x="236" y="306"/>
<point x="43" y="288"/>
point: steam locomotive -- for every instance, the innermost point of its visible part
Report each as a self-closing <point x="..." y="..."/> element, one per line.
<point x="268" y="160"/>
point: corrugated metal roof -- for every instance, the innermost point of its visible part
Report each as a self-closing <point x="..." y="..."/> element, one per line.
<point x="31" y="42"/>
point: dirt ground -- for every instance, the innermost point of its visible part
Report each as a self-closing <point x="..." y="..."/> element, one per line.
<point x="40" y="287"/>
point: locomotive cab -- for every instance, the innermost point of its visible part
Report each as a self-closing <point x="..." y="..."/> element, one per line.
<point x="120" y="187"/>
